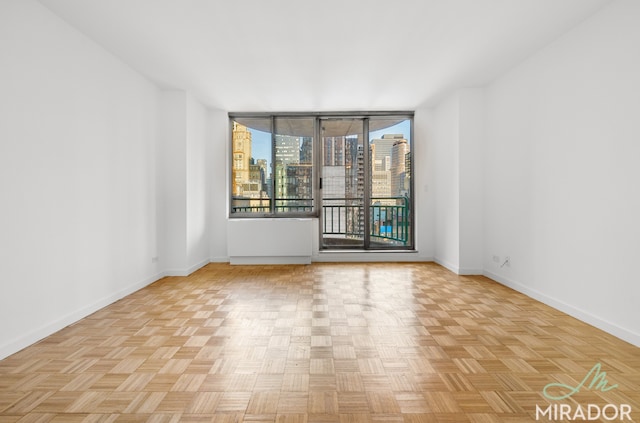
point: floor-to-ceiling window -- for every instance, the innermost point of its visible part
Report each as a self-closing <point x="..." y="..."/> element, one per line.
<point x="351" y="171"/>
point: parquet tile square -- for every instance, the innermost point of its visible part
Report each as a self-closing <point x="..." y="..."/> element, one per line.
<point x="233" y="402"/>
<point x="332" y="343"/>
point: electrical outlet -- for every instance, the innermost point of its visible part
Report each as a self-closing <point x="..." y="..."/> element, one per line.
<point x="496" y="259"/>
<point x="154" y="259"/>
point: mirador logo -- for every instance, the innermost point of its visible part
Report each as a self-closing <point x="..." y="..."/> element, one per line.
<point x="595" y="379"/>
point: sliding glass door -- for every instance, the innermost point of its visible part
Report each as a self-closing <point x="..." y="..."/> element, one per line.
<point x="342" y="181"/>
<point x="390" y="189"/>
<point x="366" y="185"/>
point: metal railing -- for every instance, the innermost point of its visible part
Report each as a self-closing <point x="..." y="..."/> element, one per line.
<point x="388" y="216"/>
<point x="282" y="205"/>
<point x="390" y="222"/>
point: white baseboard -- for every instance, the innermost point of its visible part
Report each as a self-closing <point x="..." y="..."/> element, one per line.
<point x="36" y="335"/>
<point x="615" y="330"/>
<point x="258" y="260"/>
<point x="176" y="272"/>
<point x="220" y="259"/>
<point x="447" y="265"/>
<point x="199" y="265"/>
<point x="468" y="272"/>
<point x="458" y="270"/>
<point x="333" y="256"/>
<point x="368" y="256"/>
<point x="188" y="270"/>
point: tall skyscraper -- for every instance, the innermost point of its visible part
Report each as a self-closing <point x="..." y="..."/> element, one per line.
<point x="399" y="151"/>
<point x="333" y="151"/>
<point x="407" y="173"/>
<point x="306" y="150"/>
<point x="241" y="172"/>
<point x="294" y="186"/>
<point x="354" y="170"/>
<point x="264" y="172"/>
<point x="293" y="173"/>
<point x="287" y="149"/>
<point x="380" y="185"/>
<point x="383" y="147"/>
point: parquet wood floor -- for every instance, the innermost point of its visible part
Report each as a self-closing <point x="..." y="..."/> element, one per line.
<point x="345" y="343"/>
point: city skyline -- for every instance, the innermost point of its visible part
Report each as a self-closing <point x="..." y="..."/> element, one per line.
<point x="255" y="178"/>
<point x="261" y="141"/>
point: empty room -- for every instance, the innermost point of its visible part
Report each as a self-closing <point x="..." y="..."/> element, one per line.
<point x="342" y="211"/>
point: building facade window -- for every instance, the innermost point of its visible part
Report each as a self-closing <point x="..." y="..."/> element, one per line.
<point x="351" y="171"/>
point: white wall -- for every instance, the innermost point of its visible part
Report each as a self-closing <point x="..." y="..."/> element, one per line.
<point x="458" y="144"/>
<point x="423" y="174"/>
<point x="184" y="187"/>
<point x="471" y="133"/>
<point x="198" y="185"/>
<point x="219" y="173"/>
<point x="446" y="183"/>
<point x="77" y="176"/>
<point x="562" y="197"/>
<point x="172" y="181"/>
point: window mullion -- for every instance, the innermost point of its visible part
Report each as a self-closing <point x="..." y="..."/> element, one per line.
<point x="366" y="158"/>
<point x="274" y="178"/>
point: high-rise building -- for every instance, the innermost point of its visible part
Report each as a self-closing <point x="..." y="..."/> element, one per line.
<point x="241" y="144"/>
<point x="399" y="151"/>
<point x="294" y="187"/>
<point x="388" y="164"/>
<point x="306" y="150"/>
<point x="287" y="149"/>
<point x="380" y="185"/>
<point x="407" y="172"/>
<point x="353" y="164"/>
<point x="264" y="171"/>
<point x="382" y="149"/>
<point x="333" y="152"/>
<point x="354" y="186"/>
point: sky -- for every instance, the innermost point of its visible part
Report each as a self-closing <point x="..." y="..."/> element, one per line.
<point x="403" y="128"/>
<point x="261" y="141"/>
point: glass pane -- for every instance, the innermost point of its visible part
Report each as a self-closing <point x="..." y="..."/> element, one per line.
<point x="390" y="174"/>
<point x="251" y="166"/>
<point x="342" y="183"/>
<point x="294" y="165"/>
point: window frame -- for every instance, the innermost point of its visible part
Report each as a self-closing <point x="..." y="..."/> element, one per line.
<point x="272" y="213"/>
<point x="316" y="199"/>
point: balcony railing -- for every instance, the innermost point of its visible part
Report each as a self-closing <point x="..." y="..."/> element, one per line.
<point x="390" y="222"/>
<point x="388" y="216"/>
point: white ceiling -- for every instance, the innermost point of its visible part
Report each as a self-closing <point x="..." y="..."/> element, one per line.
<point x="330" y="55"/>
